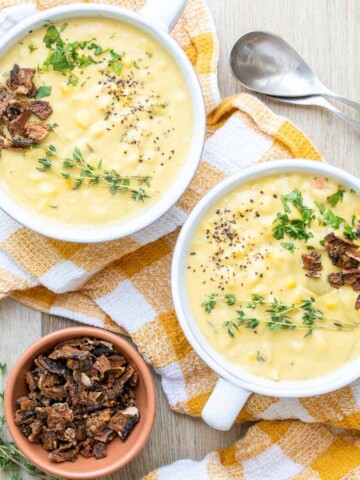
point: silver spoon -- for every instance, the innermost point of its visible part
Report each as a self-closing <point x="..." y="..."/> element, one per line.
<point x="317" y="101"/>
<point x="265" y="63"/>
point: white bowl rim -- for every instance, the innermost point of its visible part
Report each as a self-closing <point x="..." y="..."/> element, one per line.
<point x="319" y="385"/>
<point x="114" y="230"/>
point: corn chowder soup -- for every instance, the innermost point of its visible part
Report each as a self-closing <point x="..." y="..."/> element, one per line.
<point x="116" y="121"/>
<point x="273" y="279"/>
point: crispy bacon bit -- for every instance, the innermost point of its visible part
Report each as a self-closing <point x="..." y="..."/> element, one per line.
<point x="5" y="98"/>
<point x="332" y="239"/>
<point x="69" y="352"/>
<point x="41" y="109"/>
<point x="36" y="131"/>
<point x="313" y="274"/>
<point x="20" y="143"/>
<point x="49" y="439"/>
<point x="353" y="255"/>
<point x="78" y="401"/>
<point x="18" y="126"/>
<point x="344" y="255"/>
<point x="312" y="262"/>
<point x="336" y="279"/>
<point x="66" y="453"/>
<point x="21" y="81"/>
<point x="30" y="380"/>
<point x="15" y="108"/>
<point x="124" y="422"/>
<point x="357" y="303"/>
<point x="102" y="364"/>
<point x="99" y="450"/>
<point x="339" y="250"/>
<point x="15" y="113"/>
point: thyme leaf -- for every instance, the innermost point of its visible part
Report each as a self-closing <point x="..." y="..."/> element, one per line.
<point x="275" y="314"/>
<point x="210" y="303"/>
<point x="88" y="174"/>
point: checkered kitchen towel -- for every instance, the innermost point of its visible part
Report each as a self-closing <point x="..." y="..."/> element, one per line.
<point x="125" y="285"/>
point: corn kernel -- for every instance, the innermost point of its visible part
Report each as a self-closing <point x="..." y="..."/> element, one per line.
<point x="36" y="175"/>
<point x="82" y="118"/>
<point x="97" y="129"/>
<point x="331" y="304"/>
<point x="66" y="89"/>
<point x="252" y="356"/>
<point x="104" y="101"/>
<point x="161" y="65"/>
<point x="43" y="204"/>
<point x="179" y="96"/>
<point x="261" y="290"/>
<point x="291" y="284"/>
<point x="296" y="346"/>
<point x="47" y="187"/>
<point x="319" y="337"/>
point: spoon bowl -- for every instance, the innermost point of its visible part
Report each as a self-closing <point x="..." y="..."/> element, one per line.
<point x="267" y="64"/>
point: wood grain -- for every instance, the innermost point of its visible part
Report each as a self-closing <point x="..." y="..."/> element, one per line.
<point x="325" y="33"/>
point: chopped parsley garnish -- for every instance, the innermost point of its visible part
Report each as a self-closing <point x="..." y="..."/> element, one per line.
<point x="288" y="246"/>
<point x="32" y="48"/>
<point x="98" y="50"/>
<point x="328" y="217"/>
<point x="336" y="197"/>
<point x="64" y="57"/>
<point x="43" y="91"/>
<point x="136" y="65"/>
<point x="350" y="232"/>
<point x="295" y="228"/>
<point x="149" y="55"/>
<point x="115" y="61"/>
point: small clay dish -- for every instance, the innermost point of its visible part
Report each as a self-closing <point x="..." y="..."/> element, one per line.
<point x="118" y="453"/>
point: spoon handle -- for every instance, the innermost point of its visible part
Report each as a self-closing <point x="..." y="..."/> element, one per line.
<point x="349" y="102"/>
<point x="350" y="121"/>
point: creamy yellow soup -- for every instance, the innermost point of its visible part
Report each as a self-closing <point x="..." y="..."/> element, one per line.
<point x="248" y="289"/>
<point x="128" y="111"/>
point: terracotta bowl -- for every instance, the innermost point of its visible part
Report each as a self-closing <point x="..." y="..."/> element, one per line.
<point x="119" y="453"/>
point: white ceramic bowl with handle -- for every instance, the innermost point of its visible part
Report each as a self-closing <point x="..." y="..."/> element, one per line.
<point x="235" y="385"/>
<point x="156" y="19"/>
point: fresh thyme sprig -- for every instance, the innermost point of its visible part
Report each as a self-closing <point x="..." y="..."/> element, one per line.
<point x="276" y="315"/>
<point x="88" y="174"/>
<point x="210" y="303"/>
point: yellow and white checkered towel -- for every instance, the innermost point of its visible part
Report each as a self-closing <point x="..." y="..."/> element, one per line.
<point x="125" y="285"/>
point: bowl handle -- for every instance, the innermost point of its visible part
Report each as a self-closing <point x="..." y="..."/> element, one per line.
<point x="224" y="405"/>
<point x="164" y="13"/>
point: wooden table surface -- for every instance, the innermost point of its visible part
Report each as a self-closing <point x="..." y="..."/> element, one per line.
<point x="325" y="33"/>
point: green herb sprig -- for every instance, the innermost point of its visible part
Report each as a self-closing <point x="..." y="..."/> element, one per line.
<point x="65" y="56"/>
<point x="337" y="197"/>
<point x="210" y="303"/>
<point x="275" y="315"/>
<point x="88" y="174"/>
<point x="294" y="228"/>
